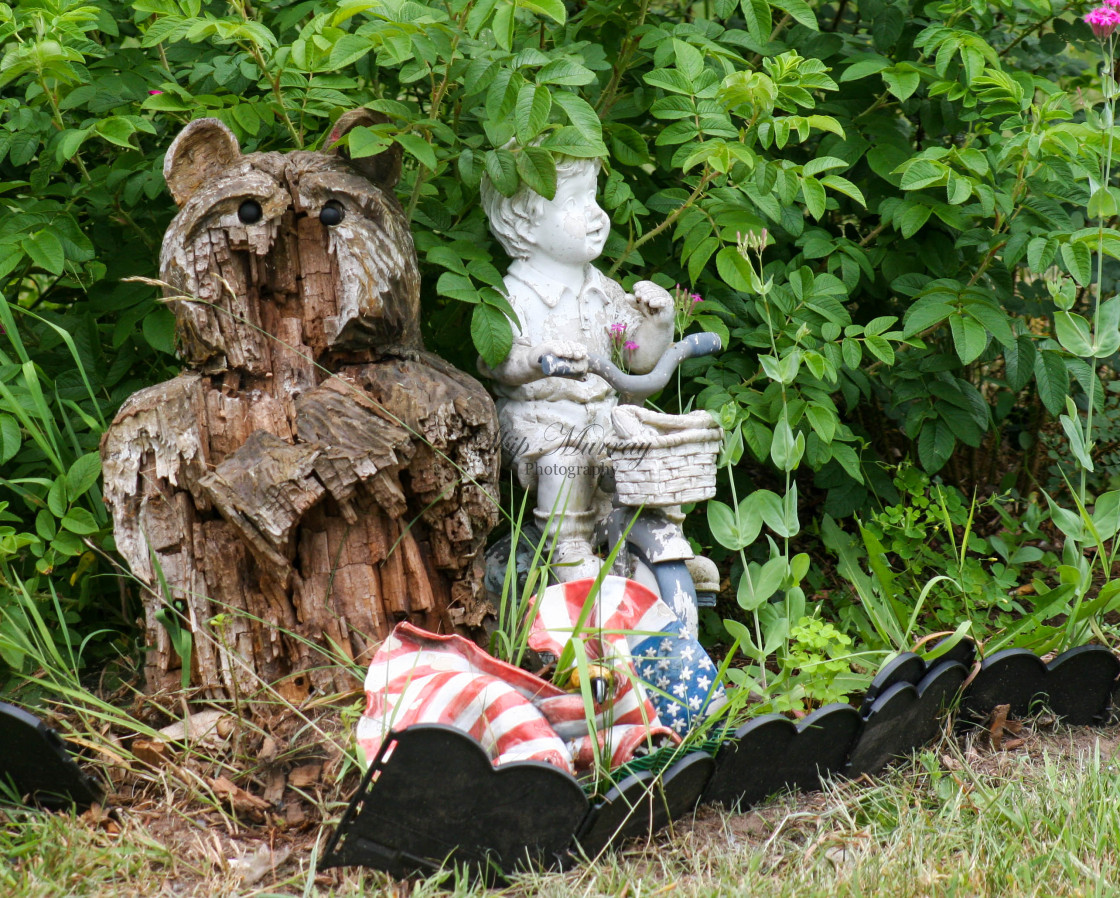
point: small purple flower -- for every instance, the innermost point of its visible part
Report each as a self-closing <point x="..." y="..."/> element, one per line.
<point x="1103" y="20"/>
<point x="629" y="345"/>
<point x="154" y="92"/>
<point x="618" y="328"/>
<point x="696" y="297"/>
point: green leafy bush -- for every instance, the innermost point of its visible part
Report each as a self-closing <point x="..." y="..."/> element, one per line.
<point x="922" y="172"/>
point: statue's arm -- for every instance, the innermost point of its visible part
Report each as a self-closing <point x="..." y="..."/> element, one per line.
<point x="650" y="309"/>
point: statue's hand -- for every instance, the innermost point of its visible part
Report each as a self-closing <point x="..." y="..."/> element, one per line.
<point x="574" y="354"/>
<point x="652" y="300"/>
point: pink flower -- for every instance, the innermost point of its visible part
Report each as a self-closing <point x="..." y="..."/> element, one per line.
<point x="696" y="297"/>
<point x="1115" y="4"/>
<point x="1103" y="20"/>
<point x="629" y="345"/>
<point x="618" y="328"/>
<point x="154" y="92"/>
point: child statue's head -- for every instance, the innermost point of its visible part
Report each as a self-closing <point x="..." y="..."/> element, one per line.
<point x="570" y="225"/>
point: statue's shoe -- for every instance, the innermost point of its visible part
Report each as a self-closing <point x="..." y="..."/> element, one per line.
<point x="574" y="559"/>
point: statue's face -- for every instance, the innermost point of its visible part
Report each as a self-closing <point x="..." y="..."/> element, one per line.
<point x="572" y="227"/>
<point x="297" y="253"/>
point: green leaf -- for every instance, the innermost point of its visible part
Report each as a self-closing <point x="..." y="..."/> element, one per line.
<point x="1052" y="377"/>
<point x="912" y="218"/>
<point x="844" y="186"/>
<point x="815" y="199"/>
<point x="580" y="113"/>
<point x="1102" y="204"/>
<point x="758" y="17"/>
<point x="1106" y="514"/>
<point x="759" y="582"/>
<point x="733" y="529"/>
<point x="865" y="67"/>
<point x="880" y="348"/>
<point x="82" y="475"/>
<point x="1018" y="360"/>
<point x="492" y="334"/>
<point x="769" y="506"/>
<point x="45" y="251"/>
<point x="922" y="173"/>
<point x="501" y="169"/>
<point x="79" y="521"/>
<point x="1073" y="332"/>
<point x="538" y="170"/>
<point x="849" y="460"/>
<point x="159" y="329"/>
<point x="785" y="450"/>
<point x="571" y="142"/>
<point x="566" y="72"/>
<point x="902" y="82"/>
<point x="823" y="420"/>
<point x="995" y="320"/>
<point x="70" y="142"/>
<point x="534" y="103"/>
<point x="348" y="49"/>
<point x="362" y="142"/>
<point x="116" y="130"/>
<point x="458" y="287"/>
<point x="417" y="147"/>
<point x="503" y="25"/>
<point x="554" y="9"/>
<point x="935" y="445"/>
<point x="1079" y="262"/>
<point x="734" y="269"/>
<point x="45" y="525"/>
<point x="1076" y="439"/>
<point x="10" y="439"/>
<point x="690" y="62"/>
<point x="1107" y="338"/>
<point x="970" y="338"/>
<point x="628" y="147"/>
<point x="800" y="10"/>
<point x="56" y="496"/>
<point x="924" y="314"/>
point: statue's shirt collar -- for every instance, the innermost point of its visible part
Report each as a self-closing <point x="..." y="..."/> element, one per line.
<point x="537" y="282"/>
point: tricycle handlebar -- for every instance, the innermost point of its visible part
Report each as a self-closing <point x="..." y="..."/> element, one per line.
<point x="637" y="386"/>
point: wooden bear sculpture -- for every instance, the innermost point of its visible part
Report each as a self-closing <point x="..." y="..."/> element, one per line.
<point x="314" y="476"/>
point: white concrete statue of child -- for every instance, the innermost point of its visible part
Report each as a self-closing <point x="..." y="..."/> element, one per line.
<point x="553" y="428"/>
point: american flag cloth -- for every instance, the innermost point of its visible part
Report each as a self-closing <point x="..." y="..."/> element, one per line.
<point x="630" y="625"/>
<point x="420" y="677"/>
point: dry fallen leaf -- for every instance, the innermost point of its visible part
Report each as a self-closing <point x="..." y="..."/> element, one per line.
<point x="305" y="775"/>
<point x="254" y="866"/>
<point x="150" y="752"/>
<point x="239" y="799"/>
<point x="203" y="725"/>
<point x="274" y="786"/>
<point x="1000" y="725"/>
<point x="293" y="814"/>
<point x="269" y="749"/>
<point x="96" y="816"/>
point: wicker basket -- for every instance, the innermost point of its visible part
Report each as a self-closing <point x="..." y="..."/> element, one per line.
<point x="662" y="460"/>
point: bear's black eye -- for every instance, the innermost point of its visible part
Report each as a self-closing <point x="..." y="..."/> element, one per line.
<point x="250" y="212"/>
<point x="332" y="213"/>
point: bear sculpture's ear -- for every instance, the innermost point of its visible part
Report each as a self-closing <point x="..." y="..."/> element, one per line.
<point x="384" y="169"/>
<point x="203" y="149"/>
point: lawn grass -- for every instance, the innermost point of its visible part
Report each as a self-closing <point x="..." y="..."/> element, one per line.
<point x="958" y="819"/>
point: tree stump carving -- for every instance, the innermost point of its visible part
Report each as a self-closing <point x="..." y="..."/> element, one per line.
<point x="314" y="476"/>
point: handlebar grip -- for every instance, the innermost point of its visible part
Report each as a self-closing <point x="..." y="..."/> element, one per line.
<point x="703" y="344"/>
<point x="555" y="366"/>
<point x="635" y="386"/>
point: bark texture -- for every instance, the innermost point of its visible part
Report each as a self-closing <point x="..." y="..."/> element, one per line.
<point x="315" y="476"/>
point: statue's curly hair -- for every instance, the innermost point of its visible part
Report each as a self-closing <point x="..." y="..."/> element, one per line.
<point x="510" y="216"/>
